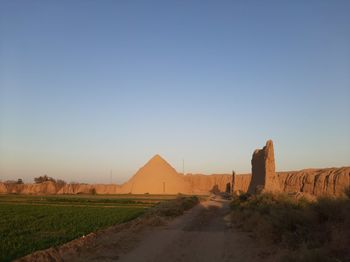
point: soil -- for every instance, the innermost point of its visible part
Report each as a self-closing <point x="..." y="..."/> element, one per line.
<point x="203" y="233"/>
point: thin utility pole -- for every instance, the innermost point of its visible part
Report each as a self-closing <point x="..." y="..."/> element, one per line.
<point x="111" y="173"/>
<point x="183" y="166"/>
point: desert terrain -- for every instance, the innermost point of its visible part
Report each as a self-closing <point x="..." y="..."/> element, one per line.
<point x="174" y="131"/>
<point x="230" y="219"/>
<point x="157" y="176"/>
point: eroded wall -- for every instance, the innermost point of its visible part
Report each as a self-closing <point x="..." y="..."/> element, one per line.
<point x="318" y="182"/>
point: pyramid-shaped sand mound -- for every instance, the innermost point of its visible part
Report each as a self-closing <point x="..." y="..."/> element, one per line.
<point x="156" y="177"/>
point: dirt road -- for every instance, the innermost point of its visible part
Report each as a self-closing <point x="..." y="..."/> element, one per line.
<point x="203" y="234"/>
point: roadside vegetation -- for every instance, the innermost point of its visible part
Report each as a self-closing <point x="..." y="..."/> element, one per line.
<point x="31" y="223"/>
<point x="176" y="207"/>
<point x="307" y="230"/>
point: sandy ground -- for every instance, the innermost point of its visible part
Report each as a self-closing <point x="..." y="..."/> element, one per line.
<point x="204" y="233"/>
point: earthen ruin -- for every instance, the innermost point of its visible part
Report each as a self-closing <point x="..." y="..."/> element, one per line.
<point x="157" y="176"/>
<point x="264" y="177"/>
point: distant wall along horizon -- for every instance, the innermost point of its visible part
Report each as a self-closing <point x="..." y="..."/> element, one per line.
<point x="157" y="176"/>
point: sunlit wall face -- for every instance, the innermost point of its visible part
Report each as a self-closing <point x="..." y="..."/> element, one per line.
<point x="90" y="87"/>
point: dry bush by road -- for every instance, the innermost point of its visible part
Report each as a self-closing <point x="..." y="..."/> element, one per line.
<point x="310" y="231"/>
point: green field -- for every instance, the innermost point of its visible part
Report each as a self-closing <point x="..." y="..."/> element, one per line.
<point x="30" y="223"/>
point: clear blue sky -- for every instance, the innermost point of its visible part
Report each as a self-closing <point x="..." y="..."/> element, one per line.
<point x="90" y="86"/>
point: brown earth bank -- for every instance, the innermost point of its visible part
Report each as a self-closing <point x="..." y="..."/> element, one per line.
<point x="159" y="177"/>
<point x="326" y="181"/>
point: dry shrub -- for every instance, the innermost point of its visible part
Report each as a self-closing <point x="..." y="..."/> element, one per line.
<point x="309" y="255"/>
<point x="176" y="207"/>
<point x="310" y="230"/>
<point x="347" y="192"/>
<point x="188" y="202"/>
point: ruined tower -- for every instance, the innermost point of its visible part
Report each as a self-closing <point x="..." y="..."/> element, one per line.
<point x="264" y="178"/>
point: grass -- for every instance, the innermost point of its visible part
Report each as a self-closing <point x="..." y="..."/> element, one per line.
<point x="309" y="231"/>
<point x="30" y="223"/>
<point x="124" y="199"/>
